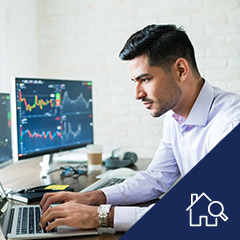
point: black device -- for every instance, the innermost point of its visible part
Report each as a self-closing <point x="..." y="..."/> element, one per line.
<point x="51" y="115"/>
<point x="128" y="159"/>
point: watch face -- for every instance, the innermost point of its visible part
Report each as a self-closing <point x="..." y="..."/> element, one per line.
<point x="104" y="208"/>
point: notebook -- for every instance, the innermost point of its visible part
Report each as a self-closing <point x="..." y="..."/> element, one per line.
<point x="22" y="222"/>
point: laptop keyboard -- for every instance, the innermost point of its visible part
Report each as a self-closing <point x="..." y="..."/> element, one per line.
<point x="28" y="221"/>
<point x="110" y="182"/>
<point x="29" y="217"/>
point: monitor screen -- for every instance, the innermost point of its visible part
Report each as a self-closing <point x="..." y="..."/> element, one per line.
<point x="52" y="115"/>
<point x="5" y="128"/>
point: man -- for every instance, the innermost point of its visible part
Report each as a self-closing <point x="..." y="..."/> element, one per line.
<point x="164" y="70"/>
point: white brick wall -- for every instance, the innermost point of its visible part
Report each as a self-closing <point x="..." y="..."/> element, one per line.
<point x="81" y="39"/>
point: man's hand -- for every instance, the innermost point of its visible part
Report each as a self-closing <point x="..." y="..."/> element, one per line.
<point x="74" y="210"/>
<point x="71" y="214"/>
<point x="89" y="198"/>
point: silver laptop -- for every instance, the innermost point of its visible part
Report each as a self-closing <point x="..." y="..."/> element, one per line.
<point x="110" y="178"/>
<point x="22" y="222"/>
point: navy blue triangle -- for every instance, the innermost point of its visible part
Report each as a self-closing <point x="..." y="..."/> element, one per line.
<point x="218" y="176"/>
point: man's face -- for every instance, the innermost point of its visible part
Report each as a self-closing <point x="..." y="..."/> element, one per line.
<point x="158" y="91"/>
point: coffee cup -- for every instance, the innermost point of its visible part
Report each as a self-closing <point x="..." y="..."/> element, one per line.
<point x="94" y="153"/>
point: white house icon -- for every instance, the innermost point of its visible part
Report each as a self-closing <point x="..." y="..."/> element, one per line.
<point x="194" y="200"/>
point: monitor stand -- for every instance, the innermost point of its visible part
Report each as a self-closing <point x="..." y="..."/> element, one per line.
<point x="45" y="165"/>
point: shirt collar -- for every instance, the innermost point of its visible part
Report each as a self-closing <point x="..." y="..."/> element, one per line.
<point x="200" y="110"/>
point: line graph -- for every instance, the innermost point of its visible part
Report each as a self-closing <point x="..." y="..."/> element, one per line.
<point x="76" y="128"/>
<point x="38" y="133"/>
<point x="69" y="134"/>
<point x="75" y="105"/>
<point x="43" y="134"/>
<point x="4" y="143"/>
<point x="37" y="103"/>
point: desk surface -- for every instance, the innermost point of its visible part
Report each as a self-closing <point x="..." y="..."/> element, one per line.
<point x="25" y="174"/>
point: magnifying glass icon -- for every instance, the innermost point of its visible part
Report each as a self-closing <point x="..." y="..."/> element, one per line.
<point x="221" y="214"/>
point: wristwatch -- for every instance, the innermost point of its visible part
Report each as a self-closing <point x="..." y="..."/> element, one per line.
<point x="103" y="211"/>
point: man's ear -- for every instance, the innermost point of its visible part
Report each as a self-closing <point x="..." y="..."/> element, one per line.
<point x="181" y="69"/>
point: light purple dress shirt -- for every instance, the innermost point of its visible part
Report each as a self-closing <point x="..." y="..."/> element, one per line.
<point x="185" y="142"/>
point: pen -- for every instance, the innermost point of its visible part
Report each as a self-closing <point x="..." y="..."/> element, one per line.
<point x="36" y="190"/>
<point x="39" y="189"/>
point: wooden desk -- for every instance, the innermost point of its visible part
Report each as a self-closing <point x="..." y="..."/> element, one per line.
<point x="25" y="174"/>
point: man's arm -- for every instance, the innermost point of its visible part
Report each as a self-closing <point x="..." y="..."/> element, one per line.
<point x="147" y="185"/>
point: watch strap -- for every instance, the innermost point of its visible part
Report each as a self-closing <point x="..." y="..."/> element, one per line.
<point x="103" y="212"/>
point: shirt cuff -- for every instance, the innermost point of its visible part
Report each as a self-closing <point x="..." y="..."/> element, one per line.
<point x="113" y="195"/>
<point x="124" y="218"/>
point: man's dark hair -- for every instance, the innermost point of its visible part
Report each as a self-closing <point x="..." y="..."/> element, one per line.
<point x="163" y="44"/>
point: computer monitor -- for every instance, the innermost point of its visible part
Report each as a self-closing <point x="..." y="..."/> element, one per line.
<point x="5" y="130"/>
<point x="51" y="115"/>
